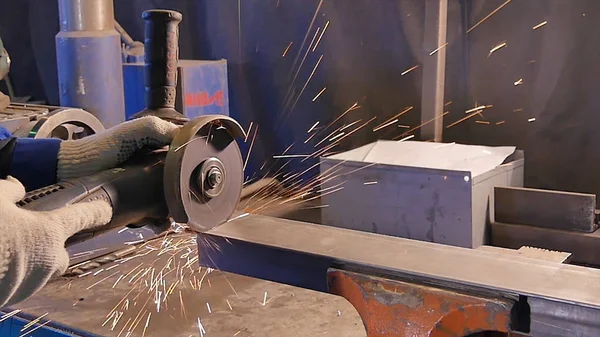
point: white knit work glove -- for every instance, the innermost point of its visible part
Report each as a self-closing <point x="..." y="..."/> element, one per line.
<point x="32" y="244"/>
<point x="108" y="149"/>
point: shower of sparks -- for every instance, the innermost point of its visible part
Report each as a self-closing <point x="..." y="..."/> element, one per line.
<point x="488" y="16"/>
<point x="320" y="36"/>
<point x="307" y="81"/>
<point x="518" y="82"/>
<point x="438" y="49"/>
<point x="288" y="148"/>
<point x="353" y="107"/>
<point x="9" y="315"/>
<point x="250" y="149"/>
<point x="517" y="110"/>
<point x="409" y="70"/>
<point x="264" y="299"/>
<point x="404" y="126"/>
<point x="447" y="104"/>
<point x="287" y="49"/>
<point x="407" y="138"/>
<point x="421" y="125"/>
<point x="500" y="122"/>
<point x="336" y="136"/>
<point x="309" y="138"/>
<point x="201" y="328"/>
<point x="291" y="156"/>
<point x="482" y="122"/>
<point x="312" y="22"/>
<point x="248" y="132"/>
<point x="313" y="127"/>
<point x="476" y="109"/>
<point x="370" y="183"/>
<point x="35" y="321"/>
<point x="379" y="127"/>
<point x="239" y="217"/>
<point x="464" y="119"/>
<point x="539" y="25"/>
<point x="396" y="117"/>
<point x="496" y="48"/>
<point x="531" y="120"/>
<point x="319" y="94"/>
<point x="34" y="329"/>
<point x="208" y="307"/>
<point x="147" y="323"/>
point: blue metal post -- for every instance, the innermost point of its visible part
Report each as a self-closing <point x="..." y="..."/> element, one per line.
<point x="89" y="61"/>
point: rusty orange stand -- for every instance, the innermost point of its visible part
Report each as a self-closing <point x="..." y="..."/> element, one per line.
<point x="393" y="308"/>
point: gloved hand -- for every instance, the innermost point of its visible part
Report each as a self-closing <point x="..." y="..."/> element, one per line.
<point x="32" y="244"/>
<point x="105" y="150"/>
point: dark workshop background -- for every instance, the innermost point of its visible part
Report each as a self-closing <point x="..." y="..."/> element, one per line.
<point x="366" y="48"/>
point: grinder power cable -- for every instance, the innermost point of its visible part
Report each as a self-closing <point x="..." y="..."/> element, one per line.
<point x="197" y="181"/>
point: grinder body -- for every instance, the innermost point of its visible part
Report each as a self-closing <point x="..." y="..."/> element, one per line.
<point x="135" y="192"/>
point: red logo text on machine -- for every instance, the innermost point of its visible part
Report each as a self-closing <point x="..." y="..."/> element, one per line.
<point x="201" y="99"/>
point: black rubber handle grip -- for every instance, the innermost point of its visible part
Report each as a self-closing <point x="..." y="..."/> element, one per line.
<point x="161" y="46"/>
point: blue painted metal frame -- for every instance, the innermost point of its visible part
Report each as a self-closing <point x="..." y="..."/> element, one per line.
<point x="12" y="327"/>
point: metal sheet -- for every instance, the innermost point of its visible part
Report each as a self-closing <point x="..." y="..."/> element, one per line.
<point x="585" y="247"/>
<point x="545" y="208"/>
<point x="401" y="257"/>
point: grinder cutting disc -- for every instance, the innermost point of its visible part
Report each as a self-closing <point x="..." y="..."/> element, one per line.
<point x="203" y="173"/>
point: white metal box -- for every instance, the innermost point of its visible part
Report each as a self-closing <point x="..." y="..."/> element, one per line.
<point x="418" y="190"/>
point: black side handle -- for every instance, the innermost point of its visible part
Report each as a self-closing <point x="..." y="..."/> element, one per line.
<point x="161" y="46"/>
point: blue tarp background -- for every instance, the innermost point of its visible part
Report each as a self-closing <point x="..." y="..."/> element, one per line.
<point x="367" y="46"/>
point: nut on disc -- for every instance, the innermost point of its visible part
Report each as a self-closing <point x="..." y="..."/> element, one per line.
<point x="190" y="168"/>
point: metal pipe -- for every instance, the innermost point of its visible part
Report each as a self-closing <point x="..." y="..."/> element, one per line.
<point x="86" y="15"/>
<point x="89" y="60"/>
<point x="434" y="69"/>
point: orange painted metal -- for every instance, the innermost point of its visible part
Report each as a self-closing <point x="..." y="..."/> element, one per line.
<point x="394" y="308"/>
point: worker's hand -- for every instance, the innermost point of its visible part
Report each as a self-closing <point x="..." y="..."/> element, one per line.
<point x="108" y="149"/>
<point x="32" y="244"/>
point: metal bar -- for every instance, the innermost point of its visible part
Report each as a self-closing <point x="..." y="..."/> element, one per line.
<point x="545" y="208"/>
<point x="434" y="69"/>
<point x="585" y="247"/>
<point x="282" y="250"/>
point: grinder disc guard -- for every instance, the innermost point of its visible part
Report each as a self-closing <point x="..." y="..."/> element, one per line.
<point x="203" y="174"/>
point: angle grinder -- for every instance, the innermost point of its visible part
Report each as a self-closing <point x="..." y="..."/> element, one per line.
<point x="196" y="181"/>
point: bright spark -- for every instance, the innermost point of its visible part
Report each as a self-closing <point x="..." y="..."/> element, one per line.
<point x="409" y="70"/>
<point x="539" y="25"/>
<point x="496" y="48"/>
<point x="287" y="49"/>
<point x="518" y="82"/>
<point x="438" y="49"/>
<point x="488" y="16"/>
<point x="531" y="120"/>
<point x="319" y="40"/>
<point x="319" y="94"/>
<point x="312" y="127"/>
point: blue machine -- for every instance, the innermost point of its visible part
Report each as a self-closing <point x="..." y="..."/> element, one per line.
<point x="89" y="60"/>
<point x="201" y="88"/>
